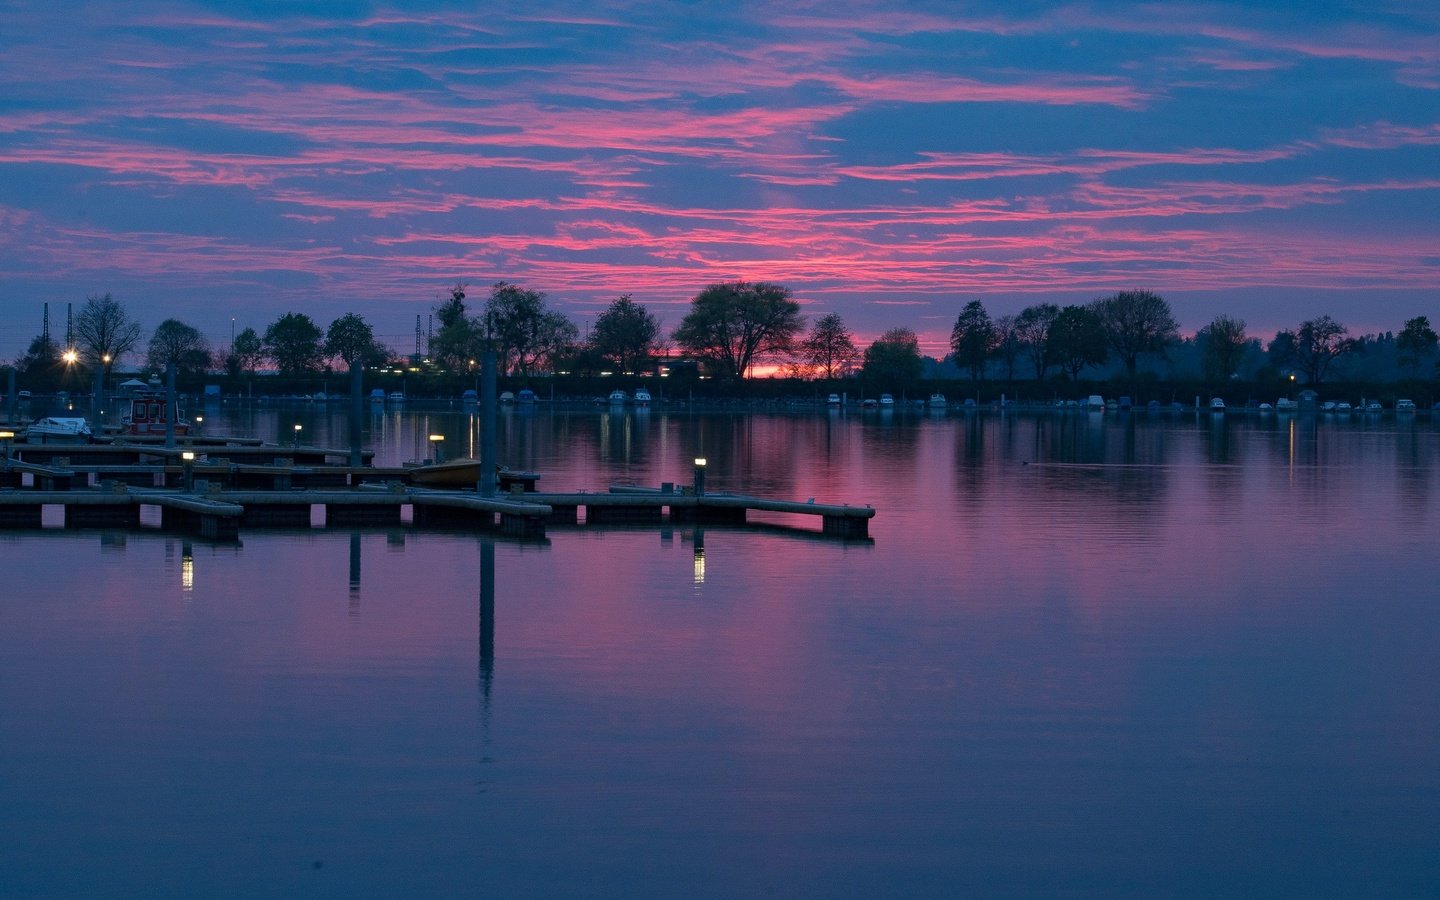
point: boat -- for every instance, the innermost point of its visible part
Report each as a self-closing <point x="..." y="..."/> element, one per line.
<point x="832" y="401"/>
<point x="869" y="403"/>
<point x="618" y="397"/>
<point x="1404" y="406"/>
<point x="887" y="401"/>
<point x="1343" y="408"/>
<point x="1095" y="403"/>
<point x="149" y="414"/>
<point x="465" y="472"/>
<point x="642" y="397"/>
<point x="1373" y="407"/>
<point x="377" y="395"/>
<point x="1266" y="408"/>
<point x="59" y="430"/>
<point x="396" y="397"/>
<point x="470" y="396"/>
<point x="1217" y="404"/>
<point x="525" y="396"/>
<point x="1285" y="404"/>
<point x="506" y="398"/>
<point x="938" y="401"/>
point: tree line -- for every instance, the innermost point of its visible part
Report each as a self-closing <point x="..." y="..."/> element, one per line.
<point x="729" y="328"/>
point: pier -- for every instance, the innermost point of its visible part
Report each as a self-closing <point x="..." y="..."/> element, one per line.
<point x="235" y="487"/>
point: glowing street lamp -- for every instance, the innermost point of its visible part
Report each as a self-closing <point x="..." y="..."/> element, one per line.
<point x="5" y="438"/>
<point x="187" y="465"/>
<point x="435" y="440"/>
<point x="699" y="476"/>
<point x="297" y="433"/>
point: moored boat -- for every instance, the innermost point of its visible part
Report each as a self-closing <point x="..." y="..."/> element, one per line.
<point x="938" y="401"/>
<point x="618" y="397"/>
<point x="642" y="397"/>
<point x="149" y="415"/>
<point x="59" y="430"/>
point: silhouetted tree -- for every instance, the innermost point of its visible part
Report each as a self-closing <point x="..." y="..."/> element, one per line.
<point x="178" y="343"/>
<point x="104" y="331"/>
<point x="829" y="347"/>
<point x="293" y="343"/>
<point x="972" y="340"/>
<point x="624" y="334"/>
<point x="1007" y="344"/>
<point x="1222" y="347"/>
<point x="352" y="340"/>
<point x="736" y="323"/>
<point x="246" y="353"/>
<point x="1032" y="330"/>
<point x="39" y="367"/>
<point x="1077" y="340"/>
<point x="893" y="360"/>
<point x="458" y="342"/>
<point x="1136" y="323"/>
<point x="1316" y="344"/>
<point x="523" y="332"/>
<point x="1415" y="343"/>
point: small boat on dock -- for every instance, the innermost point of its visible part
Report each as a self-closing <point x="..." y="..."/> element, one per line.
<point x="642" y="397"/>
<point x="618" y="398"/>
<point x="465" y="473"/>
<point x="59" y="430"/>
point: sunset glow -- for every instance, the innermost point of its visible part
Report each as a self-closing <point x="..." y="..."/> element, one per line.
<point x="210" y="160"/>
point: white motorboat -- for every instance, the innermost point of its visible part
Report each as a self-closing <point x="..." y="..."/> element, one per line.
<point x="59" y="430"/>
<point x="642" y="397"/>
<point x="938" y="401"/>
<point x="887" y="401"/>
<point x="618" y="397"/>
<point x="1217" y="404"/>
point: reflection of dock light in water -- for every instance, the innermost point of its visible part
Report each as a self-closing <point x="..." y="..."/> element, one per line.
<point x="699" y="557"/>
<point x="187" y="567"/>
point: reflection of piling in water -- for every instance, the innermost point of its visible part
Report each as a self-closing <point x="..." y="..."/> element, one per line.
<point x="487" y="617"/>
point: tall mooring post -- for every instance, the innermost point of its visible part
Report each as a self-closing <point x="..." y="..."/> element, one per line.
<point x="98" y="411"/>
<point x="488" y="411"/>
<point x="357" y="412"/>
<point x="172" y="408"/>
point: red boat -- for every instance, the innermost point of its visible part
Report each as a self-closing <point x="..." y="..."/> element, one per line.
<point x="149" y="414"/>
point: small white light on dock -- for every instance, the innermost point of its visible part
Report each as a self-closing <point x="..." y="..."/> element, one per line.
<point x="700" y="461"/>
<point x="188" y="456"/>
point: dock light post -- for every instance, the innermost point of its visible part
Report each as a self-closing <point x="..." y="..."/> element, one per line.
<point x="199" y="422"/>
<point x="187" y="464"/>
<point x="5" y="438"/>
<point x="297" y="434"/>
<point x="699" y="476"/>
<point x="435" y="440"/>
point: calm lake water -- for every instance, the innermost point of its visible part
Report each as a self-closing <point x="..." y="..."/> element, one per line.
<point x="1079" y="656"/>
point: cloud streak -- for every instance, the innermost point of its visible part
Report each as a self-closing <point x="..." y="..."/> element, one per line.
<point x="887" y="164"/>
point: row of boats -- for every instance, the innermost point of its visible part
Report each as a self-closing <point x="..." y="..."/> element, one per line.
<point x="149" y="415"/>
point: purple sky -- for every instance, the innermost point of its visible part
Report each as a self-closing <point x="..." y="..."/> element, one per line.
<point x="887" y="161"/>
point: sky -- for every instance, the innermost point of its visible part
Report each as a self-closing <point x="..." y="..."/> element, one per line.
<point x="226" y="163"/>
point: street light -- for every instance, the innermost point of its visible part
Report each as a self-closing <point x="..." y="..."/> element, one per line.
<point x="699" y="476"/>
<point x="187" y="465"/>
<point x="199" y="421"/>
<point x="435" y="440"/>
<point x="5" y="438"/>
<point x="297" y="434"/>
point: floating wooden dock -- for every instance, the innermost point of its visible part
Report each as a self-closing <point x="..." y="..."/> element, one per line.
<point x="220" y="514"/>
<point x="235" y="486"/>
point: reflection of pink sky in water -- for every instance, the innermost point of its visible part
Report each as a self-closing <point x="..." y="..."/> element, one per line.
<point x="1060" y="620"/>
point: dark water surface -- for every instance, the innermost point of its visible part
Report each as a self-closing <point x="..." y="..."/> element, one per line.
<point x="1081" y="655"/>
